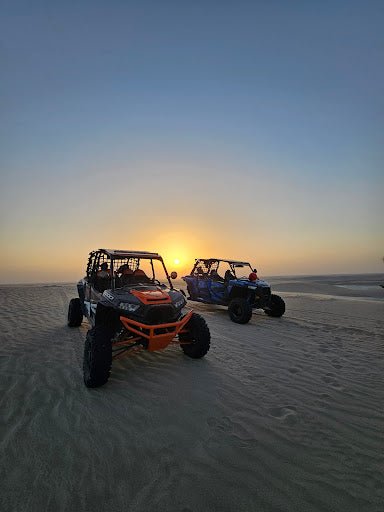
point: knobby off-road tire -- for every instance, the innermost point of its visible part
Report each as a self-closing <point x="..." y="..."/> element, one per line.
<point x="240" y="311"/>
<point x="276" y="307"/>
<point x="75" y="314"/>
<point x="97" y="356"/>
<point x="198" y="337"/>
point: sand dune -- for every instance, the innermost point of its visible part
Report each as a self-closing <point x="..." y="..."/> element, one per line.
<point x="282" y="415"/>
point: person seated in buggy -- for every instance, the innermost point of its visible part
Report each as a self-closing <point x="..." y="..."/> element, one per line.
<point x="104" y="270"/>
<point x="215" y="276"/>
<point x="126" y="275"/>
<point x="139" y="276"/>
<point x="200" y="273"/>
<point x="103" y="278"/>
<point x="228" y="276"/>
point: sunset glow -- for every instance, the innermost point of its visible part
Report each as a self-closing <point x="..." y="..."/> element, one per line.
<point x="244" y="148"/>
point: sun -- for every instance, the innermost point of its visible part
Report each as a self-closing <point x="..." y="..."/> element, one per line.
<point x="176" y="261"/>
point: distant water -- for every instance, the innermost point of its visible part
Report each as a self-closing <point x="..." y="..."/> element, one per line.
<point x="358" y="279"/>
<point x="346" y="285"/>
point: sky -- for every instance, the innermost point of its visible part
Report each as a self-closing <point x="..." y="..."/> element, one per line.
<point x="249" y="130"/>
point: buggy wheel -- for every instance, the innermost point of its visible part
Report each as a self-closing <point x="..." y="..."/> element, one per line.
<point x="97" y="356"/>
<point x="240" y="311"/>
<point x="276" y="307"/>
<point x="198" y="338"/>
<point x="75" y="314"/>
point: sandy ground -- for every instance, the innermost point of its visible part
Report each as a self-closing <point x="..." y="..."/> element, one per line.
<point x="282" y="415"/>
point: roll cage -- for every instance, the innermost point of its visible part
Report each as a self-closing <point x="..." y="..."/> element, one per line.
<point x="203" y="268"/>
<point x="116" y="258"/>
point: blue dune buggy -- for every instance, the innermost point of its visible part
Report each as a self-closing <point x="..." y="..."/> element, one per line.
<point x="218" y="281"/>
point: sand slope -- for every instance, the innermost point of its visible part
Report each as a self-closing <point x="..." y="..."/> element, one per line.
<point x="282" y="415"/>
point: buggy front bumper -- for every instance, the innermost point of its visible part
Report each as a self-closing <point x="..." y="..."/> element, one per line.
<point x="157" y="336"/>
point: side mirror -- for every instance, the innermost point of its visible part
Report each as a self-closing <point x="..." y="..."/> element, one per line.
<point x="173" y="275"/>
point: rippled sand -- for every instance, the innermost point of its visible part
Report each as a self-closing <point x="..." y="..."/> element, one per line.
<point x="282" y="415"/>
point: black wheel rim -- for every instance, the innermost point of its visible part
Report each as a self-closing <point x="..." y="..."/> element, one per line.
<point x="237" y="310"/>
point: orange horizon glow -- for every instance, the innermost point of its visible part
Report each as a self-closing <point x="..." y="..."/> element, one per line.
<point x="64" y="262"/>
<point x="57" y="258"/>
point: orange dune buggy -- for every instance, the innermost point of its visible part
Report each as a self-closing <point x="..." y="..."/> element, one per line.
<point x="130" y="302"/>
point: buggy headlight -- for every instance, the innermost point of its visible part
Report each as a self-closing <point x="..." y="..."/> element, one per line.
<point x="128" y="307"/>
<point x="179" y="303"/>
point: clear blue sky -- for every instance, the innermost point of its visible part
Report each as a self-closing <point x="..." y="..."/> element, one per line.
<point x="235" y="129"/>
